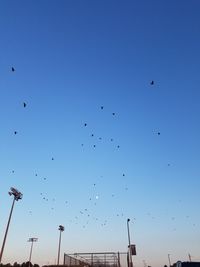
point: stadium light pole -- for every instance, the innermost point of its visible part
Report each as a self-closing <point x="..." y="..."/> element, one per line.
<point x="129" y="242"/>
<point x="32" y="239"/>
<point x="17" y="195"/>
<point x="61" y="229"/>
<point x="169" y="260"/>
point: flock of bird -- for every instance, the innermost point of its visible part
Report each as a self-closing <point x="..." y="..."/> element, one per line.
<point x="86" y="213"/>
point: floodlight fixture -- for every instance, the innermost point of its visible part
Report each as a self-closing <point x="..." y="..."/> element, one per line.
<point x="17" y="195"/>
<point x="61" y="228"/>
<point x="33" y="239"/>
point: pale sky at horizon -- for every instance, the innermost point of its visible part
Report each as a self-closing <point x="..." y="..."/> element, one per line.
<point x="137" y="157"/>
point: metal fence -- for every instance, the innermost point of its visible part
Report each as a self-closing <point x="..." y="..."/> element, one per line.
<point x="70" y="260"/>
<point x="102" y="259"/>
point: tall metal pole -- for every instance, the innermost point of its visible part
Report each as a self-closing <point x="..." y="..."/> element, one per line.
<point x="118" y="254"/>
<point x="32" y="239"/>
<point x="4" y="240"/>
<point x="59" y="248"/>
<point x="129" y="241"/>
<point x="61" y="229"/>
<point x="17" y="195"/>
<point x="169" y="260"/>
<point x="31" y="251"/>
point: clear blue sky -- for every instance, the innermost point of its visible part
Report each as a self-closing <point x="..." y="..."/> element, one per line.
<point x="71" y="58"/>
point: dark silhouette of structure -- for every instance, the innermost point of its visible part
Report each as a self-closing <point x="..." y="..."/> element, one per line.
<point x="17" y="195"/>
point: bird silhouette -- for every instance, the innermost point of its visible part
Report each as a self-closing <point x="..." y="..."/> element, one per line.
<point x="24" y="104"/>
<point x="85" y="124"/>
<point x="101" y="107"/>
<point x="152" y="82"/>
<point x="113" y="113"/>
<point x="13" y="69"/>
<point x="15" y="132"/>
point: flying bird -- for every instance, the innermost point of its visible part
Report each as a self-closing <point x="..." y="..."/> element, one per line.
<point x="152" y="82"/>
<point x="24" y="104"/>
<point x="101" y="107"/>
<point x="85" y="124"/>
<point x="15" y="132"/>
<point x="13" y="69"/>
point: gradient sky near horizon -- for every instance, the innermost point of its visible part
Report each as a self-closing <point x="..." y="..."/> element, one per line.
<point x="71" y="58"/>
